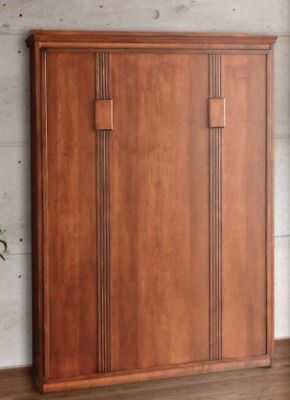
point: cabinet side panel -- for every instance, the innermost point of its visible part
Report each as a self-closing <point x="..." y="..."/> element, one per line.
<point x="37" y="218"/>
<point x="159" y="210"/>
<point x="244" y="206"/>
<point x="70" y="219"/>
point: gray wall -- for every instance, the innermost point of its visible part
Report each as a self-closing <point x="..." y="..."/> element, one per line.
<point x="16" y="18"/>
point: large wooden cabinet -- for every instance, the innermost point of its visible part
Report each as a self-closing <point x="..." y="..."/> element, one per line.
<point x="152" y="205"/>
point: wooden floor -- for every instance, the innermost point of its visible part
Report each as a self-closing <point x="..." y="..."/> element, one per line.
<point x="260" y="383"/>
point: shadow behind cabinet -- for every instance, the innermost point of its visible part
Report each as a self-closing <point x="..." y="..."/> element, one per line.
<point x="152" y="205"/>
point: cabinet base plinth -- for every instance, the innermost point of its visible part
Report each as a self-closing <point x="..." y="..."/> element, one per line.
<point x="115" y="378"/>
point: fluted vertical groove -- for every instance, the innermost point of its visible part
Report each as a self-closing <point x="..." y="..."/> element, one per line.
<point x="103" y="218"/>
<point x="215" y="339"/>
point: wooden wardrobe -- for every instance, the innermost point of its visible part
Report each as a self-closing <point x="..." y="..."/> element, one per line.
<point x="152" y="171"/>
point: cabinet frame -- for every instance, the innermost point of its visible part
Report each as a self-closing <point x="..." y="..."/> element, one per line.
<point x="41" y="42"/>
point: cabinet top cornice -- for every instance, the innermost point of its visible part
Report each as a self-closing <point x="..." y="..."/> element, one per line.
<point x="53" y="38"/>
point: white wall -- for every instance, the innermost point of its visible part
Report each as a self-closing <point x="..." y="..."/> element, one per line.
<point x="16" y="18"/>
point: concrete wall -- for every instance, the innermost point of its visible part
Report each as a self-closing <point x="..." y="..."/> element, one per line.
<point x="16" y="18"/>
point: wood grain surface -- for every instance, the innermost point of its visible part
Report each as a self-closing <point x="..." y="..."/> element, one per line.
<point x="244" y="287"/>
<point x="104" y="114"/>
<point x="70" y="216"/>
<point x="159" y="213"/>
<point x="217" y="113"/>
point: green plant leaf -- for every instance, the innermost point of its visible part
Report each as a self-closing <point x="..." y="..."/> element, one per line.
<point x="3" y="243"/>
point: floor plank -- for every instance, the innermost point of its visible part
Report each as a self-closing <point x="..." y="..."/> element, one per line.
<point x="253" y="384"/>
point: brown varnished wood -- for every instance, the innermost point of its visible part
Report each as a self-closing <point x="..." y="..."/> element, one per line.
<point x="217" y="112"/>
<point x="244" y="320"/>
<point x="149" y="39"/>
<point x="37" y="215"/>
<point x="215" y="205"/>
<point x="104" y="114"/>
<point x="270" y="204"/>
<point x="70" y="220"/>
<point x="103" y="92"/>
<point x="142" y="49"/>
<point x="159" y="173"/>
<point x="153" y="47"/>
<point x="143" y="375"/>
<point x="153" y="241"/>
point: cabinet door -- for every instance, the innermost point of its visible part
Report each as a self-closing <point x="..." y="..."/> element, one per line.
<point x="244" y="206"/>
<point x="159" y="212"/>
<point x="69" y="162"/>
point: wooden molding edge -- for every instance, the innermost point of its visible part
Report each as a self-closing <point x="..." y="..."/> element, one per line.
<point x="148" y="37"/>
<point x="151" y="375"/>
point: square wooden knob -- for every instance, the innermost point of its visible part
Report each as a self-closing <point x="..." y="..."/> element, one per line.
<point x="104" y="114"/>
<point x="217" y="112"/>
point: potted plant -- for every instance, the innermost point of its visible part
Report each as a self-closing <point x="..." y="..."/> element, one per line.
<point x="3" y="243"/>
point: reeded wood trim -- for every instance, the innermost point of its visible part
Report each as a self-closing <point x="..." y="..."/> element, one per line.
<point x="103" y="224"/>
<point x="215" y="139"/>
<point x="149" y="39"/>
<point x="45" y="261"/>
